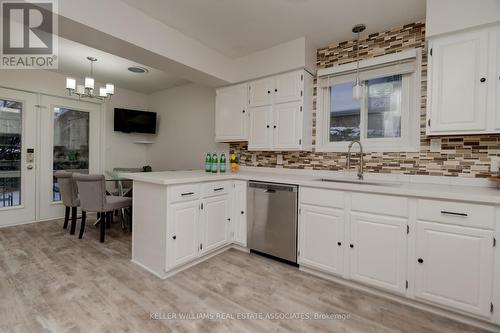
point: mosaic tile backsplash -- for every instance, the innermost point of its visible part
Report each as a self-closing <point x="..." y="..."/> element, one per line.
<point x="462" y="156"/>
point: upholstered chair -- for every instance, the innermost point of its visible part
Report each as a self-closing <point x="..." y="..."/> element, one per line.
<point x="69" y="196"/>
<point x="93" y="198"/>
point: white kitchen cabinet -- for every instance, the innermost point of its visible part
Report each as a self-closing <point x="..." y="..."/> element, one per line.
<point x="460" y="95"/>
<point x="454" y="266"/>
<point x="260" y="128"/>
<point x="287" y="125"/>
<point x="288" y="122"/>
<point x="214" y="223"/>
<point x="182" y="240"/>
<point x="377" y="251"/>
<point x="239" y="213"/>
<point x="261" y="92"/>
<point x="288" y="87"/>
<point x="198" y="220"/>
<point x="495" y="87"/>
<point x="321" y="238"/>
<point x="231" y="115"/>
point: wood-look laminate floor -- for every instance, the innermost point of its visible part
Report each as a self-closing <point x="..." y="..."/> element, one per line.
<point x="53" y="282"/>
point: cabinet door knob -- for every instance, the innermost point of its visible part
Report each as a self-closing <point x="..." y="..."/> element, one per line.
<point x="275" y="90"/>
<point x="483" y="79"/>
<point x="242" y="212"/>
<point x="339" y="243"/>
<point x="274" y="126"/>
<point x="243" y="111"/>
<point x="420" y="260"/>
<point x="351" y="246"/>
<point x="267" y="126"/>
<point x="174" y="237"/>
<point x="269" y="91"/>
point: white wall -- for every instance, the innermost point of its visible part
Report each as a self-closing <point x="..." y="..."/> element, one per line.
<point x="296" y="54"/>
<point x="119" y="147"/>
<point x="444" y="16"/>
<point x="186" y="128"/>
<point x="121" y="151"/>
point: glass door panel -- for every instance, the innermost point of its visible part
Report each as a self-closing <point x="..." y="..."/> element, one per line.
<point x="70" y="141"/>
<point x="10" y="152"/>
<point x="17" y="173"/>
<point x="71" y="144"/>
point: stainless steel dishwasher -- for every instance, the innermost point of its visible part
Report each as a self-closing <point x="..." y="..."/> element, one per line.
<point x="272" y="219"/>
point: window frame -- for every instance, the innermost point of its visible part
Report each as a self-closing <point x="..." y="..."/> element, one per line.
<point x="410" y="113"/>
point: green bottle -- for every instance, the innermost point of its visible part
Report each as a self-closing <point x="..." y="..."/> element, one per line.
<point x="215" y="163"/>
<point x="208" y="163"/>
<point x="222" y="163"/>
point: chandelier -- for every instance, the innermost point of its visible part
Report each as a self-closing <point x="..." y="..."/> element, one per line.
<point x="86" y="90"/>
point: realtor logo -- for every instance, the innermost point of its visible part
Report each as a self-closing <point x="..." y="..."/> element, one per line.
<point x="28" y="34"/>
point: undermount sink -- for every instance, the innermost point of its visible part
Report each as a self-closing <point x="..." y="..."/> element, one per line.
<point x="360" y="182"/>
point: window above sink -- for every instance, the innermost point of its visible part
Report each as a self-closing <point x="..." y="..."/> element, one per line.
<point x="387" y="116"/>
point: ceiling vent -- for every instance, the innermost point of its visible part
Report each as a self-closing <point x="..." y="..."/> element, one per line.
<point x="138" y="70"/>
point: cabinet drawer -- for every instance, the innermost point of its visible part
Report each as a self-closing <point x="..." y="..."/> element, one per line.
<point x="184" y="192"/>
<point x="215" y="188"/>
<point x="380" y="204"/>
<point x="459" y="213"/>
<point x="322" y="197"/>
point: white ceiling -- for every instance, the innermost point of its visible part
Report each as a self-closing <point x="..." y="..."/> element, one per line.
<point x="111" y="69"/>
<point x="240" y="27"/>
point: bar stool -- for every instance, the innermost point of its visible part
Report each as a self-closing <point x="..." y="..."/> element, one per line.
<point x="93" y="198"/>
<point x="69" y="196"/>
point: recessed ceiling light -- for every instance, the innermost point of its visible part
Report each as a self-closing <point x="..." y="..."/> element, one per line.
<point x="138" y="70"/>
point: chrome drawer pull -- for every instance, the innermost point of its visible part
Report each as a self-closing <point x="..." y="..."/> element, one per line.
<point x="188" y="193"/>
<point x="444" y="212"/>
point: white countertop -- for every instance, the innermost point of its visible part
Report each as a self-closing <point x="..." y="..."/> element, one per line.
<point x="403" y="186"/>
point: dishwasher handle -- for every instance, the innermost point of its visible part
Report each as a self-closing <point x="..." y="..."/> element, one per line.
<point x="272" y="187"/>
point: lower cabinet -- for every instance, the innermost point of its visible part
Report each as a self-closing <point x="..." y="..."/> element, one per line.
<point x="454" y="266"/>
<point x="183" y="240"/>
<point x="321" y="234"/>
<point x="239" y="214"/>
<point x="435" y="251"/>
<point x="378" y="251"/>
<point x="199" y="223"/>
<point x="214" y="221"/>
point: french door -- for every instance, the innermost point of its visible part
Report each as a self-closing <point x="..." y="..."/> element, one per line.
<point x="17" y="157"/>
<point x="69" y="138"/>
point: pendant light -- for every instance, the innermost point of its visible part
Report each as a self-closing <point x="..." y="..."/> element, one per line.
<point x="357" y="89"/>
<point x="87" y="89"/>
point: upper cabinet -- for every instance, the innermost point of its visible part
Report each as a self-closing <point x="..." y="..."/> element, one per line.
<point x="261" y="92"/>
<point x="289" y="87"/>
<point x="274" y="113"/>
<point x="231" y="114"/>
<point x="280" y="112"/>
<point x="462" y="77"/>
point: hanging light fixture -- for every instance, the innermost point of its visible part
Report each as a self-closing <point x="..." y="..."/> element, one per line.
<point x="357" y="89"/>
<point x="87" y="89"/>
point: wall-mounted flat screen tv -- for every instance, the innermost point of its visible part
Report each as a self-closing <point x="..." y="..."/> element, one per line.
<point x="133" y="121"/>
